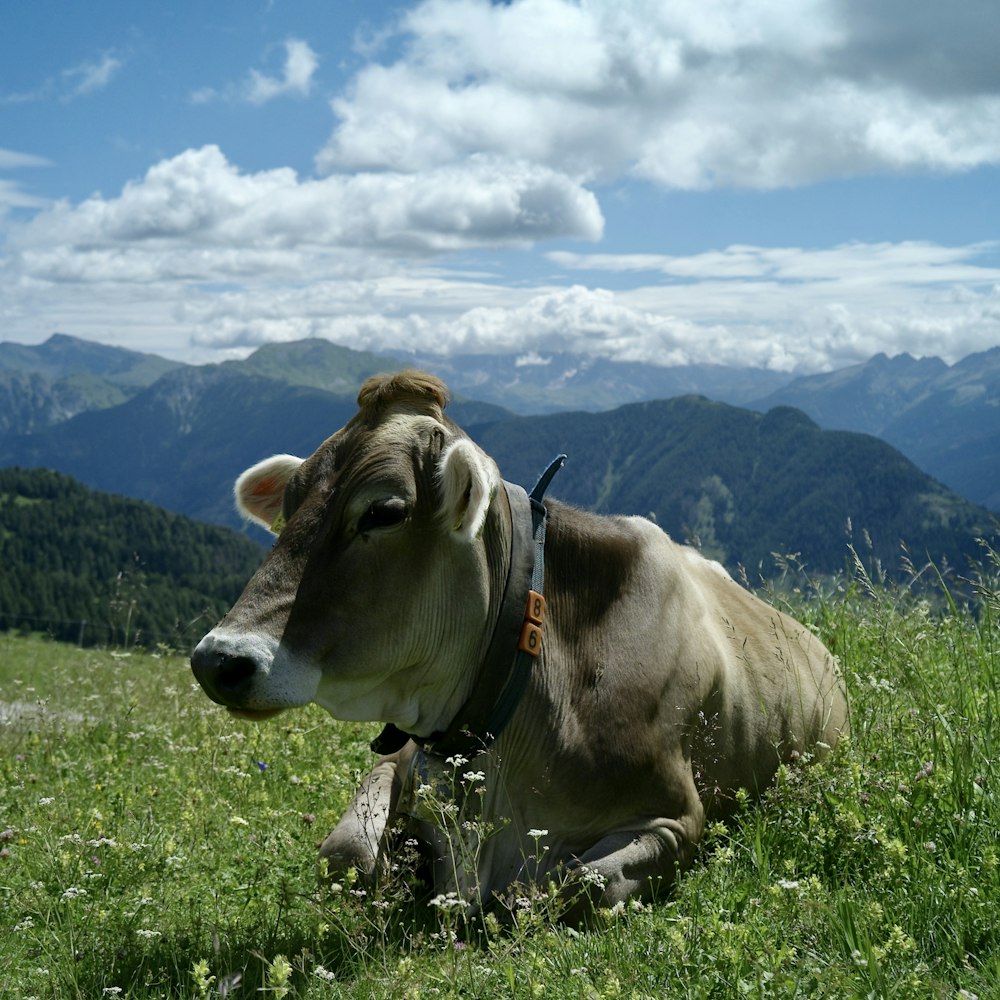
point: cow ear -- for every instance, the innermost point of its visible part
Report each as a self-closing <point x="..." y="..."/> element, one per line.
<point x="468" y="481"/>
<point x="261" y="489"/>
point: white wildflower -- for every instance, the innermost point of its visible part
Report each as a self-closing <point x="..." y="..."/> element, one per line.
<point x="593" y="877"/>
<point x="449" y="901"/>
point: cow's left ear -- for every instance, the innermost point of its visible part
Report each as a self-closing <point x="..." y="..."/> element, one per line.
<point x="261" y="489"/>
<point x="468" y="482"/>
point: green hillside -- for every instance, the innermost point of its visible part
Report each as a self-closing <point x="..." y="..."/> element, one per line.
<point x="945" y="418"/>
<point x="316" y="363"/>
<point x="95" y="568"/>
<point x="744" y="485"/>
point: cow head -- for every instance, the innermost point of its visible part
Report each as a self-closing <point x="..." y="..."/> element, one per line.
<point x="375" y="599"/>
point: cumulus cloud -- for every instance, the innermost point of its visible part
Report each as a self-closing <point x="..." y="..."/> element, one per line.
<point x="199" y="249"/>
<point x="296" y="79"/>
<point x="688" y="95"/>
<point x="199" y="205"/>
<point x="488" y="126"/>
<point x="795" y="327"/>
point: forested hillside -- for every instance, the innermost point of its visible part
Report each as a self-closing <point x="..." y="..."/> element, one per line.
<point x="945" y="418"/>
<point x="95" y="568"/>
<point x="745" y="485"/>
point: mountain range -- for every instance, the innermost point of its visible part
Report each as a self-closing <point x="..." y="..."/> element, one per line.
<point x="741" y="483"/>
<point x="945" y="418"/>
<point x="45" y="384"/>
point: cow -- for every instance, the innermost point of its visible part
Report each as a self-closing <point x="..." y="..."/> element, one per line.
<point x="567" y="697"/>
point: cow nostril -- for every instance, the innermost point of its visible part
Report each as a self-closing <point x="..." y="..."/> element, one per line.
<point x="234" y="673"/>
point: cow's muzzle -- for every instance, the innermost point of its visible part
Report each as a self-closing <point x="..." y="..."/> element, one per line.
<point x="229" y="667"/>
<point x="246" y="673"/>
<point x="226" y="679"/>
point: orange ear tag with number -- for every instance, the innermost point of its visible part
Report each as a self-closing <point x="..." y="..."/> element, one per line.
<point x="530" y="641"/>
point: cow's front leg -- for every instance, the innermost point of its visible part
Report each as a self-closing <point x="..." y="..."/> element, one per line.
<point x="359" y="839"/>
<point x="630" y="864"/>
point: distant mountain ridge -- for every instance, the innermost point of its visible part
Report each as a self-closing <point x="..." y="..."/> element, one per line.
<point x="61" y="356"/>
<point x="553" y="381"/>
<point x="180" y="442"/>
<point x="741" y="485"/>
<point x="945" y="418"/>
<point x="45" y="384"/>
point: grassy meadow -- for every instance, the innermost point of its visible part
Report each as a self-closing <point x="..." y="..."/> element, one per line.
<point x="151" y="846"/>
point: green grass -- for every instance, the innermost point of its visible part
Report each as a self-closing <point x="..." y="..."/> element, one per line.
<point x="154" y="847"/>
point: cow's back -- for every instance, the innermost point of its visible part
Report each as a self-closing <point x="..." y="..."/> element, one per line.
<point x="685" y="672"/>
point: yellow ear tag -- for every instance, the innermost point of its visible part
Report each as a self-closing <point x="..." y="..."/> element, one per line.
<point x="278" y="524"/>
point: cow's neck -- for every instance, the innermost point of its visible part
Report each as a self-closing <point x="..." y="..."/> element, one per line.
<point x="514" y="540"/>
<point x="478" y="677"/>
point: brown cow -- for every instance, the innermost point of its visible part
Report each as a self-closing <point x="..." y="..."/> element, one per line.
<point x="396" y="591"/>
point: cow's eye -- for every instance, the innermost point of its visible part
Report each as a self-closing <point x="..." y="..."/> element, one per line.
<point x="383" y="514"/>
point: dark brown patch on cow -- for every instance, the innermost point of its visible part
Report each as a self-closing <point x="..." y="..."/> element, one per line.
<point x="591" y="557"/>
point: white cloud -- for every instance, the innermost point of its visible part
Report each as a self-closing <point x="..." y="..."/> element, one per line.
<point x="796" y="327"/>
<point x="76" y="81"/>
<point x="483" y="133"/>
<point x="882" y="264"/>
<point x="198" y="252"/>
<point x="11" y="159"/>
<point x="300" y="65"/>
<point x="690" y="94"/>
<point x="13" y="196"/>
<point x="11" y="193"/>
<point x="296" y="79"/>
<point x="92" y="76"/>
<point x="783" y="308"/>
<point x="199" y="205"/>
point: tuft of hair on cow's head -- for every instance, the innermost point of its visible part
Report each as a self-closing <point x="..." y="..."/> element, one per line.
<point x="421" y="390"/>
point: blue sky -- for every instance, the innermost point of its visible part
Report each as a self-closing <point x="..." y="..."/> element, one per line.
<point x="755" y="182"/>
